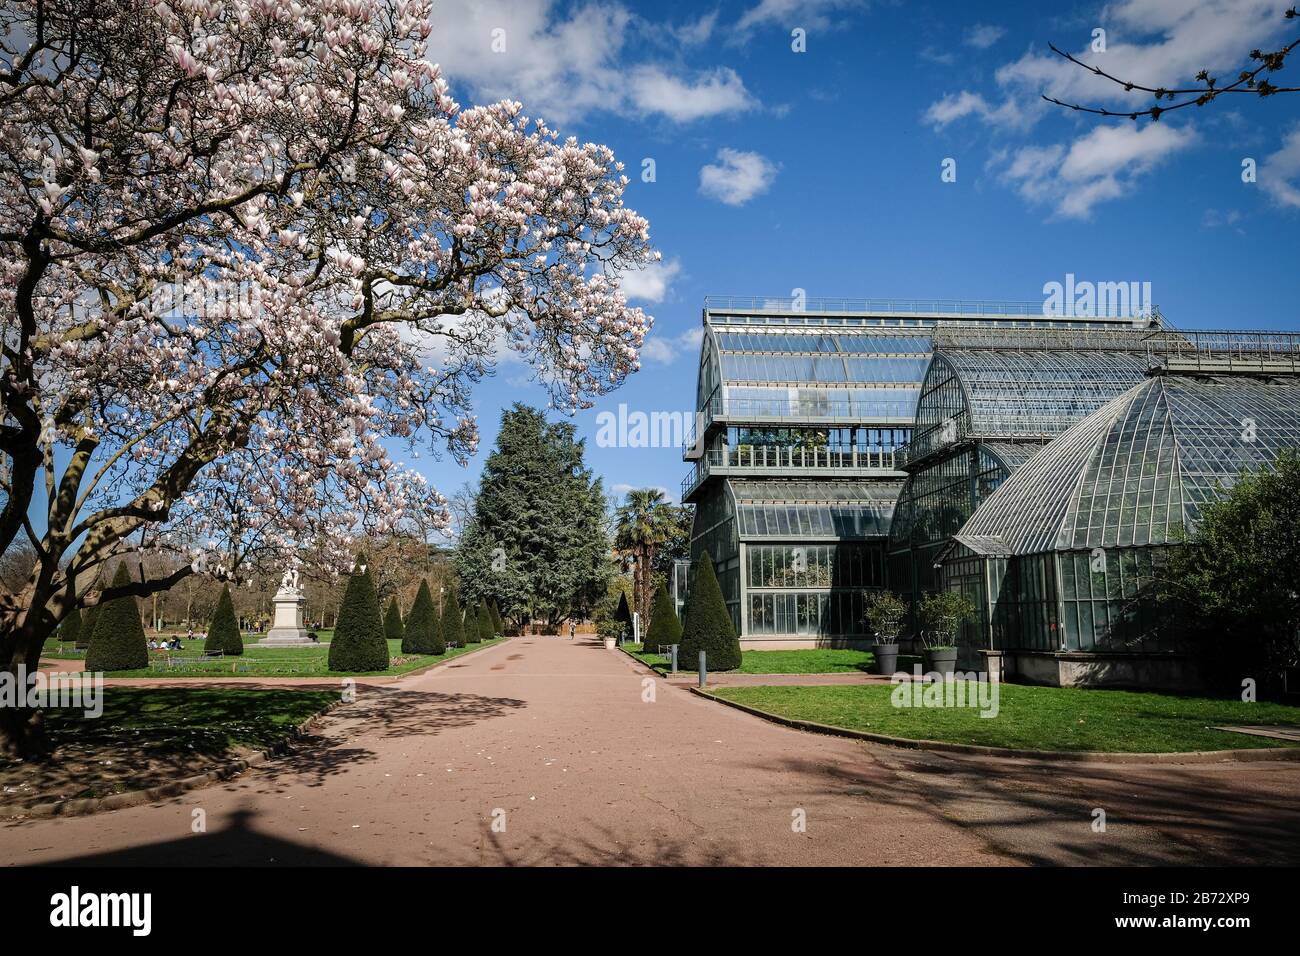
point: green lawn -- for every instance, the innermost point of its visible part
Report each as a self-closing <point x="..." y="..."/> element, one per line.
<point x="1033" y="718"/>
<point x="204" y="719"/>
<point x="821" y="660"/>
<point x="310" y="661"/>
<point x="146" y="737"/>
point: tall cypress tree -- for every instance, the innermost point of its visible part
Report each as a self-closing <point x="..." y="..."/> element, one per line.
<point x="708" y="624"/>
<point x="394" y="629"/>
<point x="497" y="622"/>
<point x="665" y="630"/>
<point x="453" y="627"/>
<point x="537" y="540"/>
<point x="485" y="629"/>
<point x="223" y="630"/>
<point x="118" y="643"/>
<point x="358" y="643"/>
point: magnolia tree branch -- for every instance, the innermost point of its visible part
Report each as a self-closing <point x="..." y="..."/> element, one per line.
<point x="1248" y="81"/>
<point x="244" y="247"/>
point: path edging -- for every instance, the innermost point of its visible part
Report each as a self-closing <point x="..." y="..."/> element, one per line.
<point x="1057" y="756"/>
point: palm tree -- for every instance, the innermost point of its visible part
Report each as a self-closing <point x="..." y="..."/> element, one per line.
<point x="644" y="522"/>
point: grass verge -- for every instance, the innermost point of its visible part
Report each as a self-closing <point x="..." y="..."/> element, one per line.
<point x="1034" y="718"/>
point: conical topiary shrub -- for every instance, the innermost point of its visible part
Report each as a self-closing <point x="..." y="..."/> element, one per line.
<point x="708" y="624"/>
<point x="434" y="642"/>
<point x="223" y="631"/>
<point x="70" y="629"/>
<point x="118" y="643"/>
<point x="486" y="630"/>
<point x="665" y="630"/>
<point x="423" y="634"/>
<point x="358" y="643"/>
<point x="394" y="629"/>
<point x="473" y="631"/>
<point x="623" y="614"/>
<point x="88" y="626"/>
<point x="452" y="625"/>
<point x="498" y="624"/>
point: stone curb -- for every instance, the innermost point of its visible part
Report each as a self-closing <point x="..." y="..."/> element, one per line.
<point x="135" y="798"/>
<point x="1057" y="756"/>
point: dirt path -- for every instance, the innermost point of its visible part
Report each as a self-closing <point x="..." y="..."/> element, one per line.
<point x="553" y="739"/>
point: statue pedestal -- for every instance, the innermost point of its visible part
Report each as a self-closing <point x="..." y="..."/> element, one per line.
<point x="286" y="629"/>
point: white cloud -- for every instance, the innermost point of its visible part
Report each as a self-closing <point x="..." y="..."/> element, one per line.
<point x="654" y="90"/>
<point x="693" y="34"/>
<point x="1279" y="173"/>
<point x="665" y="349"/>
<point x="983" y="35"/>
<point x="1099" y="166"/>
<point x="565" y="68"/>
<point x="957" y="106"/>
<point x="809" y="14"/>
<point x="650" y="283"/>
<point x="738" y="177"/>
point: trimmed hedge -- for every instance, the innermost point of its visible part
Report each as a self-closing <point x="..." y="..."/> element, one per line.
<point x="223" y="631"/>
<point x="118" y="643"/>
<point x="665" y="630"/>
<point x="358" y="643"/>
<point x="486" y="631"/>
<point x="708" y="624"/>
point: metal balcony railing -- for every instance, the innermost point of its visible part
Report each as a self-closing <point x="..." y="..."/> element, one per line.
<point x="864" y="413"/>
<point x="788" y="462"/>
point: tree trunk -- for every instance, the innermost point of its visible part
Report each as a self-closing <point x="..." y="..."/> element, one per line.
<point x="22" y="728"/>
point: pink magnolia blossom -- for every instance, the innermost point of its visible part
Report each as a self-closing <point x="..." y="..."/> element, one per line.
<point x="248" y="245"/>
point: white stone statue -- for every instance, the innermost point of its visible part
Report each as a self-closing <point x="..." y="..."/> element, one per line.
<point x="287" y="628"/>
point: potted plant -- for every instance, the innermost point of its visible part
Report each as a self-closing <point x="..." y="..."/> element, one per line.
<point x="883" y="616"/>
<point x="942" y="615"/>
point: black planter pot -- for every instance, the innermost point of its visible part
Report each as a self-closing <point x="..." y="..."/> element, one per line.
<point x="886" y="658"/>
<point x="941" y="661"/>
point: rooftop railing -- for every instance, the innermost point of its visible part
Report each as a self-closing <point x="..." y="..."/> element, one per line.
<point x="916" y="307"/>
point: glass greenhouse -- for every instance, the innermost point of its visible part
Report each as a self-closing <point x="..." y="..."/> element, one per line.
<point x="804" y="412"/>
<point x="1059" y="557"/>
<point x="990" y="400"/>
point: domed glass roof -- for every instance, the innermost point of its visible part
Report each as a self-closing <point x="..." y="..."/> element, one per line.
<point x="1137" y="471"/>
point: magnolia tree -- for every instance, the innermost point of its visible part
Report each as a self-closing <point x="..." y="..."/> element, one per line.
<point x="246" y="247"/>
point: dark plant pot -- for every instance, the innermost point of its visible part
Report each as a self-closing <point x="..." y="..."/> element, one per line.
<point x="886" y="658"/>
<point x="941" y="661"/>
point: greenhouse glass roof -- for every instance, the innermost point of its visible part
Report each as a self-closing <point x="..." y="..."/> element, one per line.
<point x="1137" y="471"/>
<point x="814" y="509"/>
<point x="1012" y="393"/>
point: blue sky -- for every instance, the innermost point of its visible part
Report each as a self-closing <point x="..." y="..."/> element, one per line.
<point x="820" y="170"/>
